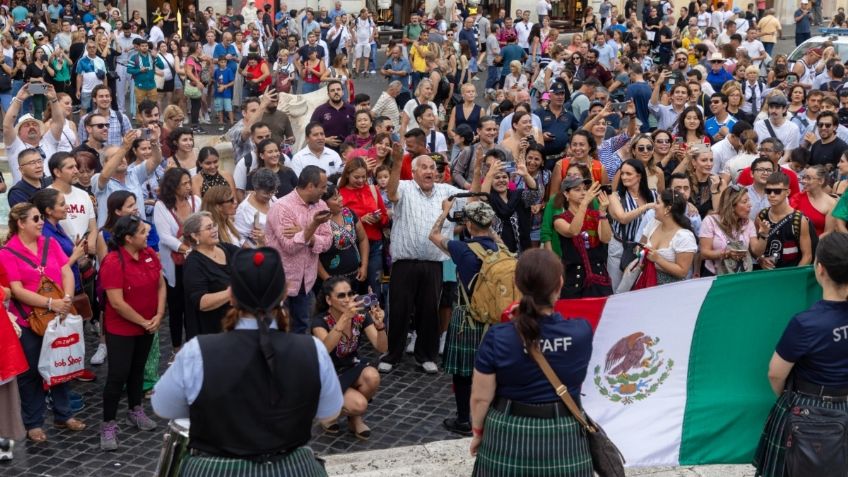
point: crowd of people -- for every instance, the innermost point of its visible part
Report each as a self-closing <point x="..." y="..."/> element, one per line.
<point x="682" y="141"/>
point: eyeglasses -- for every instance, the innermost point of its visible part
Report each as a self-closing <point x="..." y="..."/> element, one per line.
<point x="825" y="125"/>
<point x="99" y="125"/>
<point x="647" y="148"/>
<point x="350" y="294"/>
<point x="30" y="163"/>
<point x="763" y="170"/>
<point x="389" y="128"/>
<point x="774" y="191"/>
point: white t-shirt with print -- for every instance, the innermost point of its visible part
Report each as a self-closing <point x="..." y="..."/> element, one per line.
<point x="80" y="210"/>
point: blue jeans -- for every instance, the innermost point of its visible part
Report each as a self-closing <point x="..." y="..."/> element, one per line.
<point x="309" y="87"/>
<point x="5" y="101"/>
<point x="493" y="76"/>
<point x="472" y="65"/>
<point x="375" y="267"/>
<point x="300" y="309"/>
<point x="33" y="405"/>
<point x="768" y="47"/>
<point x="372" y="60"/>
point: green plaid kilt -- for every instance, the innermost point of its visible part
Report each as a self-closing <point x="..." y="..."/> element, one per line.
<point x="771" y="450"/>
<point x="151" y="367"/>
<point x="463" y="339"/>
<point x="299" y="463"/>
<point x="531" y="447"/>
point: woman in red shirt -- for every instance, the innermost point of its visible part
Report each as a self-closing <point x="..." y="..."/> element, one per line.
<point x="132" y="276"/>
<point x="814" y="202"/>
<point x="367" y="203"/>
<point x="257" y="75"/>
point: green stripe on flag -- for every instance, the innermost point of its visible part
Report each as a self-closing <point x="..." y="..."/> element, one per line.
<point x="728" y="393"/>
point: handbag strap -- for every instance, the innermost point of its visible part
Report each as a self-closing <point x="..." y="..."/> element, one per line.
<point x="561" y="389"/>
<point x="29" y="262"/>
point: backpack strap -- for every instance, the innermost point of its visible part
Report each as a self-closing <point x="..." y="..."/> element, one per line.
<point x="797" y="217"/>
<point x="478" y="250"/>
<point x="770" y="128"/>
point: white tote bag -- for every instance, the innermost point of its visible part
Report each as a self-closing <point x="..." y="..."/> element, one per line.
<point x="62" y="355"/>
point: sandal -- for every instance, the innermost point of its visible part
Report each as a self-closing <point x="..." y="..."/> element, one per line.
<point x="72" y="424"/>
<point x="331" y="428"/>
<point x="37" y="435"/>
<point x="363" y="434"/>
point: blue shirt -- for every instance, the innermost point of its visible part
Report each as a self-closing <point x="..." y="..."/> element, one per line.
<point x="560" y="128"/>
<point x="401" y="64"/>
<point x="712" y="125"/>
<point x="67" y="244"/>
<point x="221" y="50"/>
<point x="816" y="340"/>
<point x="640" y="93"/>
<point x="222" y="77"/>
<point x="801" y="26"/>
<point x="606" y="53"/>
<point x="510" y="52"/>
<point x="566" y="344"/>
<point x="55" y="11"/>
<point x="717" y="80"/>
<point x="136" y="175"/>
<point x="471" y="38"/>
<point x="467" y="264"/>
<point x="179" y="387"/>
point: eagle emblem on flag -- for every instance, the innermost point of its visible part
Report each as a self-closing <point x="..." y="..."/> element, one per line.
<point x="634" y="369"/>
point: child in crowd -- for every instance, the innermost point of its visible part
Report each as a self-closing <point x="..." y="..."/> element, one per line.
<point x="225" y="77"/>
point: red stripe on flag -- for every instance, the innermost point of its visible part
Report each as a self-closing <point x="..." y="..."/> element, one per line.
<point x="589" y="309"/>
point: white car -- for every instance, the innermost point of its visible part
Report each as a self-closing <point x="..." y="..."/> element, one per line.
<point x="837" y="36"/>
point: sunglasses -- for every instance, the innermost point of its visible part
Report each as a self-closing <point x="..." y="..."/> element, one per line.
<point x="99" y="125"/>
<point x="774" y="191"/>
<point x="648" y="148"/>
<point x="350" y="294"/>
<point x="36" y="218"/>
<point x="825" y="125"/>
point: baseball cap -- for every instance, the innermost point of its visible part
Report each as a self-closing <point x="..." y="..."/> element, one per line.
<point x="38" y="35"/>
<point x="557" y="87"/>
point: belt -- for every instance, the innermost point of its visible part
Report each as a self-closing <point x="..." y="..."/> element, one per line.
<point x="549" y="410"/>
<point x="825" y="393"/>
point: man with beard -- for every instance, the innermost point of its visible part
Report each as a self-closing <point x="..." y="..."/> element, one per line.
<point x="829" y="148"/>
<point x="594" y="69"/>
<point x="27" y="133"/>
<point x="336" y="115"/>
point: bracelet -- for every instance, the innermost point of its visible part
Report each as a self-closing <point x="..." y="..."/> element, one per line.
<point x="477" y="431"/>
<point x="50" y="304"/>
<point x="15" y="99"/>
<point x="380" y="329"/>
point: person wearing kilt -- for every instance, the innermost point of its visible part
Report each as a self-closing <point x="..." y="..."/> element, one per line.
<point x="253" y="391"/>
<point x="464" y="334"/>
<point x="340" y="324"/>
<point x="809" y="371"/>
<point x="520" y="426"/>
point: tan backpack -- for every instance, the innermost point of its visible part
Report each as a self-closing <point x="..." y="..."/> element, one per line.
<point x="494" y="285"/>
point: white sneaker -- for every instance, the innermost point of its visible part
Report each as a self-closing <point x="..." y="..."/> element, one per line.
<point x="410" y="345"/>
<point x="373" y="72"/>
<point x="442" y="340"/>
<point x="99" y="355"/>
<point x="430" y="367"/>
<point x="384" y="367"/>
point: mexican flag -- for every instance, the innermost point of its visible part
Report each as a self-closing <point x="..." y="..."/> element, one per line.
<point x="678" y="374"/>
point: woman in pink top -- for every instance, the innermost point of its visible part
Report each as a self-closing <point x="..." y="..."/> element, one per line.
<point x="728" y="238"/>
<point x="24" y="249"/>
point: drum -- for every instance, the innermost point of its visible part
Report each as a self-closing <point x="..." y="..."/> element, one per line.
<point x="174" y="448"/>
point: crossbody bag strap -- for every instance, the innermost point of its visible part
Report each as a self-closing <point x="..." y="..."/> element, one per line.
<point x="770" y="129"/>
<point x="560" y="388"/>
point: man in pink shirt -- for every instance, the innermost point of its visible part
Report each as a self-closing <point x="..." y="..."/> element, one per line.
<point x="297" y="228"/>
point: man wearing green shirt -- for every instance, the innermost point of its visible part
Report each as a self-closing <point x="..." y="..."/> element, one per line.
<point x="141" y="68"/>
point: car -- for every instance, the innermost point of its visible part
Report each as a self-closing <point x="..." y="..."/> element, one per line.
<point x="837" y="36"/>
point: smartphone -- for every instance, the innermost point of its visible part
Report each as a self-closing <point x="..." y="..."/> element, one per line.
<point x="678" y="140"/>
<point x="256" y="223"/>
<point x="37" y="88"/>
<point x="669" y="84"/>
<point x="790" y="80"/>
<point x="145" y="133"/>
<point x="607" y="189"/>
<point x="509" y="167"/>
<point x="619" y="107"/>
<point x="322" y="214"/>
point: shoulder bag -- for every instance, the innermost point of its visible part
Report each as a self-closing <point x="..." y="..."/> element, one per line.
<point x="178" y="257"/>
<point x="607" y="460"/>
<point x="40" y="317"/>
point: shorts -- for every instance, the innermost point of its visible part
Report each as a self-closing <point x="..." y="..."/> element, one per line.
<point x="223" y="104"/>
<point x="85" y="101"/>
<point x="362" y="50"/>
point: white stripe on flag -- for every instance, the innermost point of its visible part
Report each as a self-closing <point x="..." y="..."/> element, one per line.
<point x="644" y="414"/>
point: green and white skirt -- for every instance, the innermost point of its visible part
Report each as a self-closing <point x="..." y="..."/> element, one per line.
<point x="463" y="339"/>
<point x="771" y="451"/>
<point x="531" y="447"/>
<point x="299" y="463"/>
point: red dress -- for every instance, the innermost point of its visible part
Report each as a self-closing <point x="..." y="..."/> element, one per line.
<point x="802" y="202"/>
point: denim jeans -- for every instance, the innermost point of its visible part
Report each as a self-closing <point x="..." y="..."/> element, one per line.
<point x="31" y="389"/>
<point x="300" y="310"/>
<point x="309" y="87"/>
<point x="372" y="60"/>
<point x="493" y="76"/>
<point x="375" y="267"/>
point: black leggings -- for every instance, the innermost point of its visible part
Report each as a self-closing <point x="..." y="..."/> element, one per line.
<point x="195" y="111"/>
<point x="462" y="394"/>
<point x="127" y="356"/>
<point x="176" y="307"/>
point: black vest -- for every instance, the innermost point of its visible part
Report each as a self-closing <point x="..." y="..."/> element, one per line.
<point x="233" y="415"/>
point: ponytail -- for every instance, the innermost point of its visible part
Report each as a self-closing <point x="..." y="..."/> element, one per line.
<point x="537" y="276"/>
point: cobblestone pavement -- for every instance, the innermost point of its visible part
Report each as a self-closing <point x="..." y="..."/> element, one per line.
<point x="407" y="410"/>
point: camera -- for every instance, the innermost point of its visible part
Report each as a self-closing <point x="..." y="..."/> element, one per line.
<point x="369" y="300"/>
<point x="457" y="216"/>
